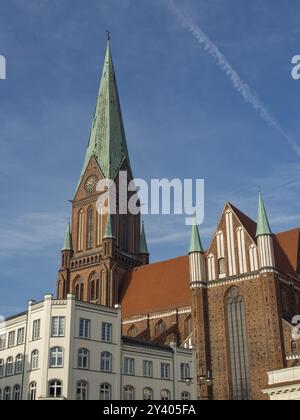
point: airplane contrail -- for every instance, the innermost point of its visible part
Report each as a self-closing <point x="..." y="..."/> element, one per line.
<point x="244" y="90"/>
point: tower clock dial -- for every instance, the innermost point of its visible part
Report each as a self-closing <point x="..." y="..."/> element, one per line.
<point x="91" y="183"/>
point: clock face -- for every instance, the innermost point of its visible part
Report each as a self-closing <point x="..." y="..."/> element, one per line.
<point x="91" y="183"/>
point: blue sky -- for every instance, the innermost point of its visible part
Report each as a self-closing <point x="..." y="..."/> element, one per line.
<point x="183" y="117"/>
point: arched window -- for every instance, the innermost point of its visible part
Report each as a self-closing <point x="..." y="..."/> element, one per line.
<point x="160" y="327"/>
<point x="97" y="288"/>
<point x="82" y="391"/>
<point x="9" y="366"/>
<point x="16" y="393"/>
<point x="129" y="393"/>
<point x="80" y="230"/>
<point x="1" y="368"/>
<point x="188" y="326"/>
<point x="147" y="394"/>
<point x="132" y="331"/>
<point x="106" y="362"/>
<point x="32" y="391"/>
<point x="7" y="393"/>
<point x="222" y="267"/>
<point x="55" y="389"/>
<point x="83" y="359"/>
<point x="77" y="291"/>
<point x="238" y="348"/>
<point x="294" y="347"/>
<point x="90" y="228"/>
<point x="34" y="359"/>
<point x="19" y="364"/>
<point x="56" y="357"/>
<point x="185" y="396"/>
<point x="165" y="395"/>
<point x="92" y="290"/>
<point x="105" y="392"/>
<point x="81" y="292"/>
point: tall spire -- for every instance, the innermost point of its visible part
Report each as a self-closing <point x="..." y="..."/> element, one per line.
<point x="68" y="246"/>
<point x="143" y="242"/>
<point x="263" y="226"/>
<point x="107" y="142"/>
<point x="195" y="244"/>
<point x="109" y="228"/>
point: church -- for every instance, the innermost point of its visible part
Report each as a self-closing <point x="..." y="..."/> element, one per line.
<point x="232" y="302"/>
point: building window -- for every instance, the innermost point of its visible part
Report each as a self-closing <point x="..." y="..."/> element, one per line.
<point x="132" y="331"/>
<point x="1" y="368"/>
<point x="56" y="357"/>
<point x="106" y="334"/>
<point x="34" y="359"/>
<point x="238" y="349"/>
<point x="147" y="394"/>
<point x="21" y="336"/>
<point x="165" y="371"/>
<point x="82" y="391"/>
<point x="11" y="339"/>
<point x="84" y="328"/>
<point x="185" y="371"/>
<point x="128" y="366"/>
<point x="165" y="395"/>
<point x="105" y="392"/>
<point x="106" y="362"/>
<point x="58" y="326"/>
<point x="129" y="393"/>
<point x="16" y="393"/>
<point x="19" y="364"/>
<point x="160" y="327"/>
<point x="6" y="393"/>
<point x="90" y="228"/>
<point x="92" y="290"/>
<point x="32" y="391"/>
<point x="148" y="369"/>
<point x="9" y="366"/>
<point x="36" y="329"/>
<point x="185" y="396"/>
<point x="83" y="359"/>
<point x="55" y="389"/>
<point x="2" y="341"/>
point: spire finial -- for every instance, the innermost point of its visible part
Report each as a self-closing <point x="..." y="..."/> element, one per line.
<point x="108" y="35"/>
<point x="263" y="226"/>
<point x="195" y="244"/>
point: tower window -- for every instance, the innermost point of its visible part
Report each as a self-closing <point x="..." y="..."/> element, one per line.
<point x="90" y="228"/>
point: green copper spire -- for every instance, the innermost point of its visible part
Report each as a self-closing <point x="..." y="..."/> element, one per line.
<point x="68" y="239"/>
<point x="109" y="229"/>
<point x="143" y="242"/>
<point x="107" y="142"/>
<point x="263" y="227"/>
<point x="195" y="245"/>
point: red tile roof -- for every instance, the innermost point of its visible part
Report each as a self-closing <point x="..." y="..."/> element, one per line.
<point x="156" y="287"/>
<point x="286" y="248"/>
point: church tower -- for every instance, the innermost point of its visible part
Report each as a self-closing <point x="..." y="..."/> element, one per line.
<point x="101" y="246"/>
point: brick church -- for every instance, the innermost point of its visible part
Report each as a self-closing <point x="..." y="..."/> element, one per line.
<point x="234" y="301"/>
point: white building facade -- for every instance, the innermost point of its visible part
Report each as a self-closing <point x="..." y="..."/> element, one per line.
<point x="284" y="384"/>
<point x="65" y="349"/>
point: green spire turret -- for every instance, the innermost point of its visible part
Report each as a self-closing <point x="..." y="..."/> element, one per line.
<point x="109" y="229"/>
<point x="195" y="244"/>
<point x="68" y="246"/>
<point x="263" y="226"/>
<point x="143" y="249"/>
<point x="107" y="142"/>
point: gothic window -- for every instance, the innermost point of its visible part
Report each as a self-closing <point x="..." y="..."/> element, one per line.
<point x="93" y="290"/>
<point x="293" y="347"/>
<point x="188" y="326"/>
<point x="222" y="267"/>
<point x="160" y="327"/>
<point x="81" y="292"/>
<point x="238" y="349"/>
<point x="90" y="228"/>
<point x="132" y="331"/>
<point x="80" y="230"/>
